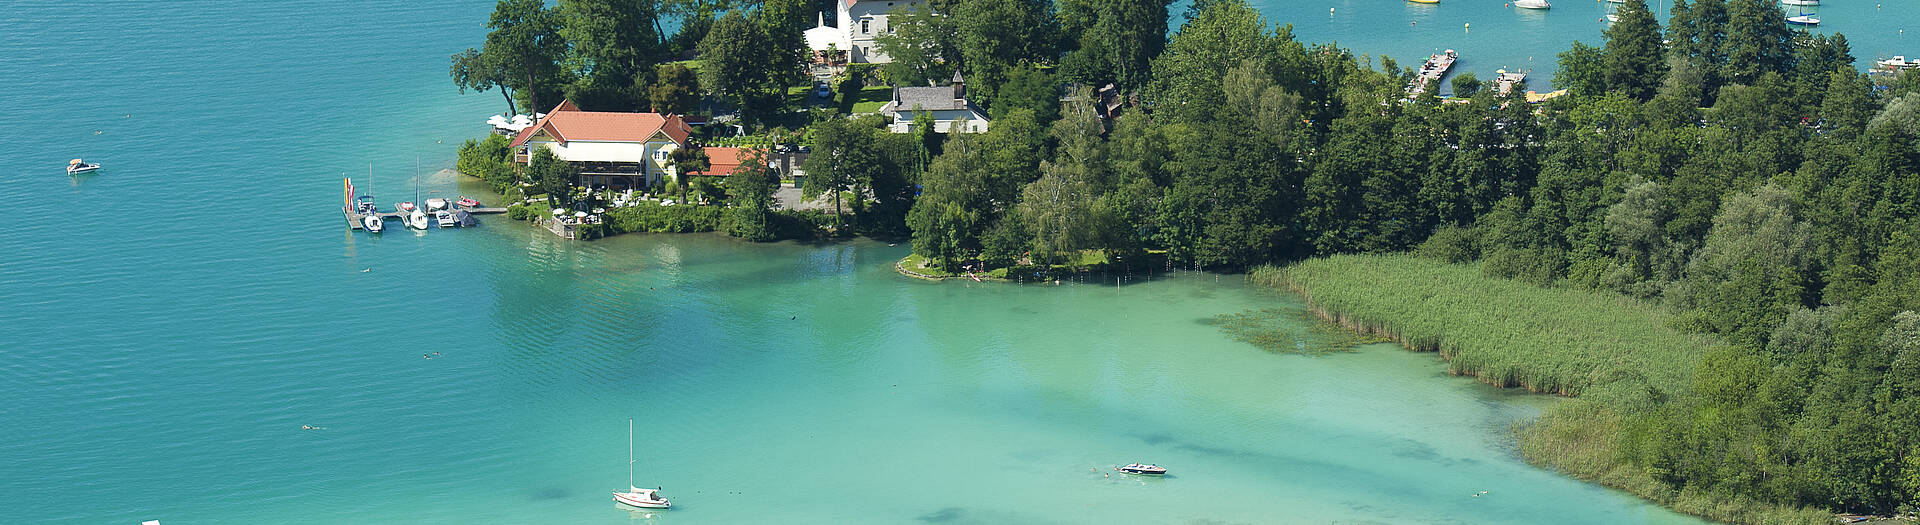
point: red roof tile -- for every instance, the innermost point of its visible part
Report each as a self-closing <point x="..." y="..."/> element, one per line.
<point x="567" y="123"/>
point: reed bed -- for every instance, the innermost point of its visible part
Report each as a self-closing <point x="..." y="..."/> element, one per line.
<point x="1504" y="332"/>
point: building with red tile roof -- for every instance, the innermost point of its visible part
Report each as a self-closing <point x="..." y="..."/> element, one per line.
<point x="612" y="149"/>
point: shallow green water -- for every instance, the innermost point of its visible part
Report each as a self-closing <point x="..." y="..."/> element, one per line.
<point x="168" y="325"/>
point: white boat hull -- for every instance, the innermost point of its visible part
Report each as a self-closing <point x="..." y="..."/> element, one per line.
<point x="1800" y="2"/>
<point x="633" y="500"/>
<point x="1532" y="4"/>
<point x="373" y="223"/>
<point x="417" y="221"/>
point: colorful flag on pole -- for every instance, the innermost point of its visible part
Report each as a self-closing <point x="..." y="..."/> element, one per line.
<point x="349" y="182"/>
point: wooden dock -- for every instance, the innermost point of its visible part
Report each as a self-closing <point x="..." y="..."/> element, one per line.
<point x="1435" y="68"/>
<point x="354" y="216"/>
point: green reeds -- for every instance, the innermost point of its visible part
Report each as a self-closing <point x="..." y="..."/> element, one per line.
<point x="1504" y="332"/>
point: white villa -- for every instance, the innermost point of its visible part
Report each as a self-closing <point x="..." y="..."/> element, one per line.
<point x="860" y="21"/>
<point x="615" y="150"/>
<point x="947" y="104"/>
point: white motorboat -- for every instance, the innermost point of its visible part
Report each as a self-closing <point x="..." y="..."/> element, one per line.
<point x="444" y="219"/>
<point x="1142" y="469"/>
<point x="1532" y="4"/>
<point x="373" y="223"/>
<point x="636" y="496"/>
<point x="417" y="220"/>
<point x="1803" y="20"/>
<point x="1800" y="2"/>
<point x="436" y="204"/>
<point x="76" y="166"/>
<point x="1897" y="63"/>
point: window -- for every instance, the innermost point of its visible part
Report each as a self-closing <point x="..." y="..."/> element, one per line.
<point x="864" y="28"/>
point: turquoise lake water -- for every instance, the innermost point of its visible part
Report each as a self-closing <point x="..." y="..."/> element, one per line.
<point x="168" y="325"/>
<point x="1503" y="37"/>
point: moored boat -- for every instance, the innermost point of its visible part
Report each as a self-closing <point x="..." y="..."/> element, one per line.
<point x="373" y="223"/>
<point x="417" y="220"/>
<point x="80" y="166"/>
<point x="636" y="496"/>
<point x="1425" y="1"/>
<point x="444" y="219"/>
<point x="1800" y="2"/>
<point x="1142" y="469"/>
<point x="467" y="202"/>
<point x="436" y="204"/>
<point x="1532" y="4"/>
<point x="1803" y="20"/>
<point x="404" y="206"/>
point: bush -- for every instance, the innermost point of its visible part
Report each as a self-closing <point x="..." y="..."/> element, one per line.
<point x="1451" y="244"/>
<point x="491" y="160"/>
<point x="664" y="219"/>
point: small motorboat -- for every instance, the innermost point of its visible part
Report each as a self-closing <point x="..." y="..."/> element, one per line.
<point x="1803" y="20"/>
<point x="417" y="220"/>
<point x="467" y="202"/>
<point x="404" y="206"/>
<point x="436" y="204"/>
<point x="1612" y="18"/>
<point x="364" y="205"/>
<point x="373" y="223"/>
<point x="1425" y="1"/>
<point x="76" y="166"/>
<point x="1800" y="2"/>
<point x="444" y="219"/>
<point x="1532" y="4"/>
<point x="1145" y="470"/>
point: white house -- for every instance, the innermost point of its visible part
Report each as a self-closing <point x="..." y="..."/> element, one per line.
<point x="612" y="149"/>
<point x="860" y="21"/>
<point x="947" y="104"/>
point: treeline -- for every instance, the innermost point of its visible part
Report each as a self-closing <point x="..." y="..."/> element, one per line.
<point x="1743" y="174"/>
<point x="616" y="55"/>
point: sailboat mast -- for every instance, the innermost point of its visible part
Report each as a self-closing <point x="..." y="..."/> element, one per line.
<point x="629" y="452"/>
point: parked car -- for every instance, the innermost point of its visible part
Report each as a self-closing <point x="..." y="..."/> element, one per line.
<point x="820" y="89"/>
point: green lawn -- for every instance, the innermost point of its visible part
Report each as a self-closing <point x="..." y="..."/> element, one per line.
<point x="869" y="100"/>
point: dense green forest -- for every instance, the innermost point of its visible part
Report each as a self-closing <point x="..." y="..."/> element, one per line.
<point x="1720" y="166"/>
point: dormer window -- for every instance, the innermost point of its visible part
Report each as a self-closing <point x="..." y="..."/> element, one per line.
<point x="864" y="28"/>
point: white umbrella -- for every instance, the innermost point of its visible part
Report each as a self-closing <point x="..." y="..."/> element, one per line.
<point x="560" y="211"/>
<point x="579" y="214"/>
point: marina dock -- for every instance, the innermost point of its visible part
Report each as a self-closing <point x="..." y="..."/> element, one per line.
<point x="354" y="217"/>
<point x="1435" y="68"/>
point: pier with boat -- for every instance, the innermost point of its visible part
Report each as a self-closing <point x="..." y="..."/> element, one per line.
<point x="362" y="213"/>
<point x="1433" y="70"/>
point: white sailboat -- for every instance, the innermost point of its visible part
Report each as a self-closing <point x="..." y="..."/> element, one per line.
<point x="636" y="496"/>
<point x="1532" y="4"/>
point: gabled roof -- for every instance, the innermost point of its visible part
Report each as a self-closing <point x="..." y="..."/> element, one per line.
<point x="566" y="123"/>
<point x="723" y="161"/>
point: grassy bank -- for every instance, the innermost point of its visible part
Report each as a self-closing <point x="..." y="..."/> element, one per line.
<point x="1618" y="355"/>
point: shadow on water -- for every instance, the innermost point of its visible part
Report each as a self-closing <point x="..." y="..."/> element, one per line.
<point x="945" y="515"/>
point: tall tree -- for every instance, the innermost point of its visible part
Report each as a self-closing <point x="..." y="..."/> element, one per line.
<point x="675" y="91"/>
<point x="994" y="36"/>
<point x="480" y="72"/>
<point x="526" y="40"/>
<point x="689" y="162"/>
<point x="1186" y="80"/>
<point x="845" y="153"/>
<point x="744" y="66"/>
<point x="750" y="195"/>
<point x="917" y="44"/>
<point x="1635" y="58"/>
<point x="614" y="46"/>
<point x="1757" y="41"/>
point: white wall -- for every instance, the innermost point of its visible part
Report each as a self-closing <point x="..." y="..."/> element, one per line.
<point x="583" y="151"/>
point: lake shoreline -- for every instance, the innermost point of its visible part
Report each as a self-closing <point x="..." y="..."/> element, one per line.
<point x="1578" y="439"/>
